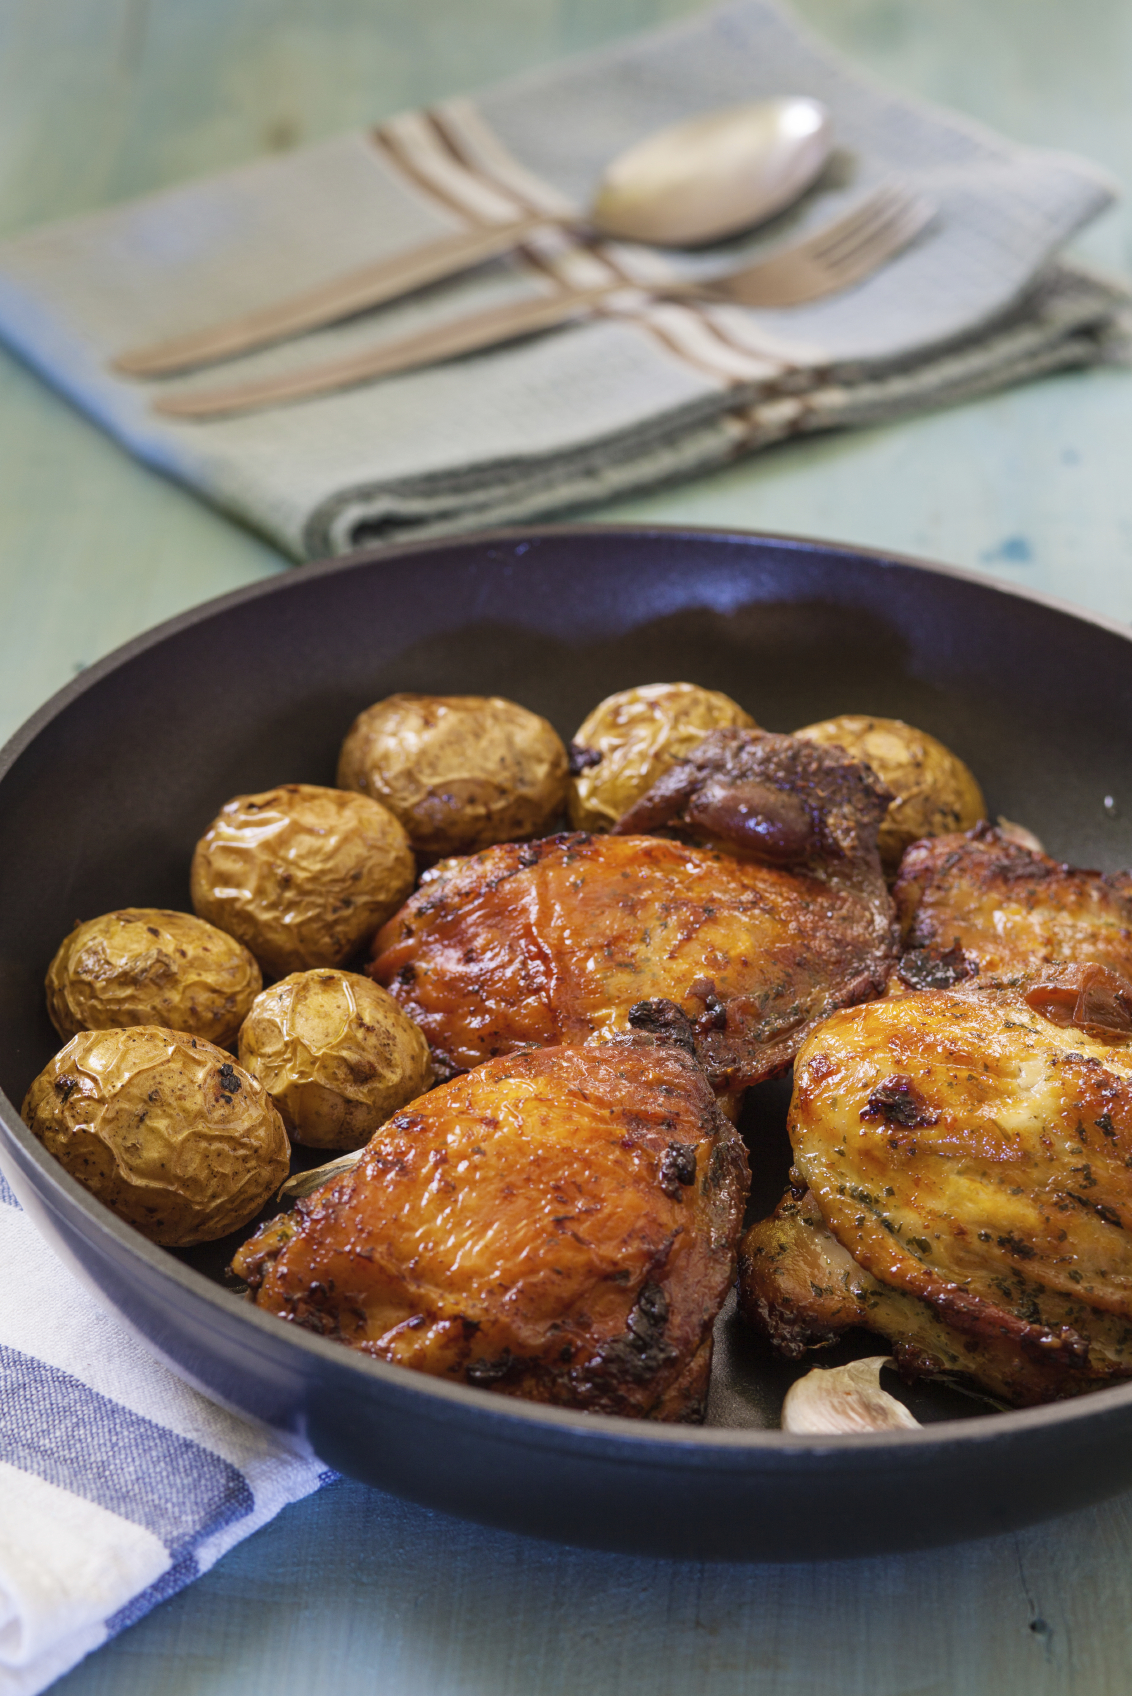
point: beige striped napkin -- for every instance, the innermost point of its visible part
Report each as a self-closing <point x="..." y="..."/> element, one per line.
<point x="638" y="393"/>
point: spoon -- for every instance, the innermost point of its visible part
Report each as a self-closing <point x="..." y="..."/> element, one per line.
<point x="695" y="182"/>
<point x="715" y="175"/>
<point x="833" y="258"/>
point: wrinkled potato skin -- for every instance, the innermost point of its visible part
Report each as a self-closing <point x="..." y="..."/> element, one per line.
<point x="301" y="875"/>
<point x="935" y="792"/>
<point x="639" y="733"/>
<point x="336" y="1054"/>
<point x="460" y="771"/>
<point x="147" y="966"/>
<point x="161" y="1128"/>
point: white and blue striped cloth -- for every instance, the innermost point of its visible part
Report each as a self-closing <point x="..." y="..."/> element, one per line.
<point x="118" y="1483"/>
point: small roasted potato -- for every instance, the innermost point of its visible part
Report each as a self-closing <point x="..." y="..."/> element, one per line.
<point x="301" y="875"/>
<point x="459" y="771"/>
<point x="631" y="738"/>
<point x="336" y="1054"/>
<point x="147" y="966"/>
<point x="161" y="1128"/>
<point x="935" y="792"/>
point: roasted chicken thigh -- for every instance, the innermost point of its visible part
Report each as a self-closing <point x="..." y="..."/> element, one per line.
<point x="560" y="1225"/>
<point x="962" y="1184"/>
<point x="981" y="904"/>
<point x="556" y="941"/>
<point x="778" y="799"/>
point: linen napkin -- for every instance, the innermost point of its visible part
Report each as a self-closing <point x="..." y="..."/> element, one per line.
<point x="118" y="1483"/>
<point x="640" y="392"/>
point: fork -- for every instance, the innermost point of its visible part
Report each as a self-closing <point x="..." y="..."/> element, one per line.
<point x="834" y="258"/>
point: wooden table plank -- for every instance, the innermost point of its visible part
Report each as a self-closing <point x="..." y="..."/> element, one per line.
<point x="1031" y="486"/>
<point x="357" y="1592"/>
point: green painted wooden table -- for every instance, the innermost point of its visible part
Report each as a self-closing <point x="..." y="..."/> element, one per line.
<point x="352" y="1591"/>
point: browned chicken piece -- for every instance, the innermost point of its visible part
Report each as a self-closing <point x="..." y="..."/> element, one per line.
<point x="560" y="1225"/>
<point x="778" y="799"/>
<point x="963" y="1185"/>
<point x="556" y="941"/>
<point x="1091" y="997"/>
<point x="803" y="1290"/>
<point x="983" y="904"/>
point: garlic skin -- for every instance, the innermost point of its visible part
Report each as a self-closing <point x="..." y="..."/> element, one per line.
<point x="1018" y="833"/>
<point x="837" y="1399"/>
<point x="305" y="1183"/>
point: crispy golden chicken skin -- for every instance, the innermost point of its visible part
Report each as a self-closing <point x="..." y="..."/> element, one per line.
<point x="969" y="1173"/>
<point x="981" y="903"/>
<point x="803" y="1290"/>
<point x="556" y="941"/>
<point x="559" y="1225"/>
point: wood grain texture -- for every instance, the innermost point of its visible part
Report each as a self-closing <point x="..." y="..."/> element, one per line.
<point x="357" y="1592"/>
<point x="100" y="99"/>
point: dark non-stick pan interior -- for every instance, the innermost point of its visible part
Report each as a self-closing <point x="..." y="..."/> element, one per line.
<point x="104" y="794"/>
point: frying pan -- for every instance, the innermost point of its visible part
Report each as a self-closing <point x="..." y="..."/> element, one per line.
<point x="105" y="790"/>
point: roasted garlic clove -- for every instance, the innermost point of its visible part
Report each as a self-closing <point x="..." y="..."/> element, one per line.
<point x="844" y="1398"/>
<point x="1018" y="833"/>
<point x="305" y="1183"/>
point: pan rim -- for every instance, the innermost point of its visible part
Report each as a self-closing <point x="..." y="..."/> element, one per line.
<point x="534" y="1424"/>
<point x="294" y="575"/>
